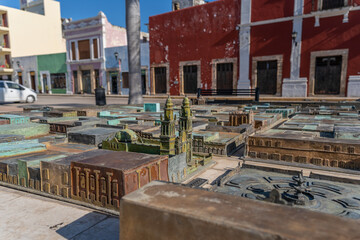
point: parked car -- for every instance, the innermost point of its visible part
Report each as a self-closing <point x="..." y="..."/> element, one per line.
<point x="14" y="92"/>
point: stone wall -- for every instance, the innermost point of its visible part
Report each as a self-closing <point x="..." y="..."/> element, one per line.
<point x="167" y="211"/>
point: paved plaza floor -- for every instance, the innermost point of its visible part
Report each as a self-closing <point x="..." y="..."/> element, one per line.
<point x="27" y="216"/>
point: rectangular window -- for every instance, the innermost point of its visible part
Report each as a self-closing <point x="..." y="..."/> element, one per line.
<point x="58" y="81"/>
<point x="3" y="20"/>
<point x="73" y="51"/>
<point x="125" y="79"/>
<point x="92" y="182"/>
<point x="351" y="150"/>
<point x="20" y="78"/>
<point x="65" y="178"/>
<point x="46" y="174"/>
<point x="103" y="185"/>
<point x="84" y="49"/>
<point x="95" y="48"/>
<point x="115" y="187"/>
<point x="6" y="43"/>
<point x="82" y="180"/>
<point x="331" y="4"/>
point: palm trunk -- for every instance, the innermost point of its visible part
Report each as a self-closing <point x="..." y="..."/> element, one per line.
<point x="133" y="37"/>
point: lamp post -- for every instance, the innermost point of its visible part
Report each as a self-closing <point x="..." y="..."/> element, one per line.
<point x="294" y="36"/>
<point x="118" y="60"/>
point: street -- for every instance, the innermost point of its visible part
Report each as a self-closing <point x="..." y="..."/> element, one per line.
<point x="69" y="101"/>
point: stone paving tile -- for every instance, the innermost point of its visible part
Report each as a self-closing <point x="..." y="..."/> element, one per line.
<point x="96" y="232"/>
<point x="26" y="216"/>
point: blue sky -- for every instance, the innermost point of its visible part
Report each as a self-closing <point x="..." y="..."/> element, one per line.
<point x="114" y="9"/>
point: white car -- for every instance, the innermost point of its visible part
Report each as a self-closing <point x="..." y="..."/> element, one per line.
<point x="14" y="92"/>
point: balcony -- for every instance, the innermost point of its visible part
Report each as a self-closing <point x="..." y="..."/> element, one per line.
<point x="5" y="64"/>
<point x="5" y="68"/>
<point x="4" y="50"/>
<point x="4" y="46"/>
<point x="4" y="30"/>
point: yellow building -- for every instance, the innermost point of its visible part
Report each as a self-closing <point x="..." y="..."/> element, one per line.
<point x="36" y="29"/>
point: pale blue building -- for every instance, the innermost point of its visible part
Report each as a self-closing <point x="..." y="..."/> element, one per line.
<point x="116" y="81"/>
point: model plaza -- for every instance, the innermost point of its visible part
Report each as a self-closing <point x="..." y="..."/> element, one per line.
<point x="300" y="155"/>
<point x="242" y="120"/>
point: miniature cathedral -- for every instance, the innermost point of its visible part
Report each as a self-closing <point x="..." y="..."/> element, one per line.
<point x="170" y="144"/>
<point x="168" y="135"/>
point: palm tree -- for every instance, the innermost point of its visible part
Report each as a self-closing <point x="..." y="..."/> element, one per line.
<point x="133" y="38"/>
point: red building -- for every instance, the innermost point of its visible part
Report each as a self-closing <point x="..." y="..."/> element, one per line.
<point x="290" y="48"/>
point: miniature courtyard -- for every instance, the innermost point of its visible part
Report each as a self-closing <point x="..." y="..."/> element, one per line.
<point x="303" y="155"/>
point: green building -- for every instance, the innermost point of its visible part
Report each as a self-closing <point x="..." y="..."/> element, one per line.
<point x="52" y="73"/>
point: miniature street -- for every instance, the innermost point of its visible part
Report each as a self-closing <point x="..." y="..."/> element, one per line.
<point x="57" y="101"/>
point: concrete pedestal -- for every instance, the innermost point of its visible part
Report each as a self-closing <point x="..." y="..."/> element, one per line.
<point x="294" y="87"/>
<point x="354" y="86"/>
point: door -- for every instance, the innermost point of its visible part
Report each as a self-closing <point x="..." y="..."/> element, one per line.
<point x="76" y="84"/>
<point x="328" y="75"/>
<point x="267" y="77"/>
<point x="160" y="80"/>
<point x="2" y="92"/>
<point x="20" y="78"/>
<point x="45" y="83"/>
<point x="114" y="85"/>
<point x="143" y="81"/>
<point x="86" y="81"/>
<point x="97" y="78"/>
<point x="190" y="79"/>
<point x="33" y="81"/>
<point x="224" y="76"/>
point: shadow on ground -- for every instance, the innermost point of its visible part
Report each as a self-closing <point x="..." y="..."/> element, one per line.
<point x="92" y="226"/>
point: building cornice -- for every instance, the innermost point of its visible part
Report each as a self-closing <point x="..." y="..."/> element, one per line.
<point x="317" y="14"/>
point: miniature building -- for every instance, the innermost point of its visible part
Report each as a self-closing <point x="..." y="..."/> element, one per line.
<point x="92" y="135"/>
<point x="239" y="118"/>
<point x="306" y="149"/>
<point x="218" y="143"/>
<point x="105" y="179"/>
<point x="55" y="175"/>
<point x="185" y="142"/>
<point x="128" y="141"/>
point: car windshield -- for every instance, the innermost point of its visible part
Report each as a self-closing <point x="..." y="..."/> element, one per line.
<point x="2" y="85"/>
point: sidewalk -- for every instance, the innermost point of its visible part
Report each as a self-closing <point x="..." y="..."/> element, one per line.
<point x="229" y="98"/>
